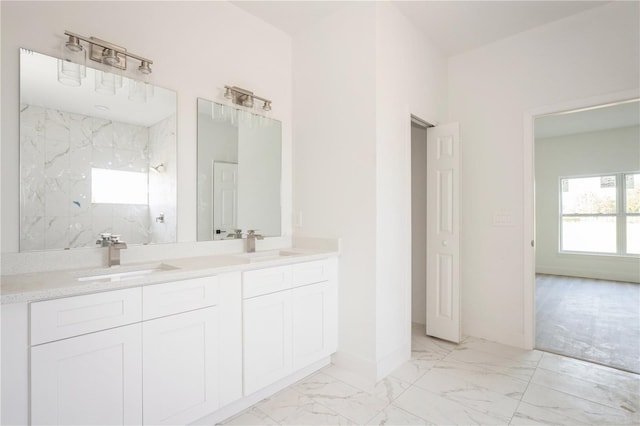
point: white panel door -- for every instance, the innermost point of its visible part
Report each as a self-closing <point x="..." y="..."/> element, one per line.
<point x="315" y="331"/>
<point x="443" y="232"/>
<point x="180" y="367"/>
<point x="95" y="379"/>
<point x="267" y="340"/>
<point x="225" y="199"/>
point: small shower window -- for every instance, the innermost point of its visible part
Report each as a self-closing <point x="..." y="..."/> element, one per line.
<point x="118" y="187"/>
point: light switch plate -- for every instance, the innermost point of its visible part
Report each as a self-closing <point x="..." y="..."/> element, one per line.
<point x="503" y="218"/>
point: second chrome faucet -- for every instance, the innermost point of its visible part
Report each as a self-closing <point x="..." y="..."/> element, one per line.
<point x="251" y="240"/>
<point x="115" y="245"/>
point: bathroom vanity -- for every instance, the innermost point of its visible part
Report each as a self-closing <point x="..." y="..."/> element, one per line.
<point x="165" y="343"/>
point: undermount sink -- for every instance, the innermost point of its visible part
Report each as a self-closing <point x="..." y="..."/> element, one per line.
<point x="261" y="256"/>
<point x="126" y="272"/>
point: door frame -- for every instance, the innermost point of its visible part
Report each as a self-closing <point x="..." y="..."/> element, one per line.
<point x="529" y="222"/>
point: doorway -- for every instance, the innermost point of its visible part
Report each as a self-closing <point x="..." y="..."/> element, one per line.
<point x="586" y="268"/>
<point x="418" y="222"/>
<point x="436" y="228"/>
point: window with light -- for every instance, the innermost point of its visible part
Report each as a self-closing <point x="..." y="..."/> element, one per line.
<point x="600" y="214"/>
<point x="118" y="187"/>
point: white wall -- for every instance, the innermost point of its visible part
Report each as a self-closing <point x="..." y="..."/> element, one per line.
<point x="358" y="75"/>
<point x="418" y="224"/>
<point x="334" y="160"/>
<point x="609" y="151"/>
<point x="410" y="79"/>
<point x="197" y="48"/>
<point x="490" y="89"/>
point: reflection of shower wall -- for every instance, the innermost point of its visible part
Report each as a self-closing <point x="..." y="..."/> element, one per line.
<point x="162" y="185"/>
<point x="57" y="151"/>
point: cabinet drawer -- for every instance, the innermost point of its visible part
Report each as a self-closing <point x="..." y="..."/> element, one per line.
<point x="179" y="296"/>
<point x="310" y="272"/>
<point x="265" y="281"/>
<point x="72" y="316"/>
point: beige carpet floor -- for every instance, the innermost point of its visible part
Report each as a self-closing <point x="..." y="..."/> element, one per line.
<point x="593" y="320"/>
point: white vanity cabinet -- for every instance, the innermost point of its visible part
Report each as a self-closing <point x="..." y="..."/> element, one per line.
<point x="92" y="378"/>
<point x="197" y="349"/>
<point x="180" y="367"/>
<point x="314" y="323"/>
<point x="289" y="320"/>
<point x="267" y="340"/>
<point x="180" y="351"/>
<point x="152" y="355"/>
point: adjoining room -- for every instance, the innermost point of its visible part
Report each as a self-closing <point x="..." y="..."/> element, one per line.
<point x="587" y="184"/>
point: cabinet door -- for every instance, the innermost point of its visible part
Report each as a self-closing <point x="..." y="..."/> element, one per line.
<point x="267" y="340"/>
<point x="314" y="323"/>
<point x="180" y="367"/>
<point x="95" y="379"/>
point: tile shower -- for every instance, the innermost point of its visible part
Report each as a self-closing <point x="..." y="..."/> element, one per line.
<point x="58" y="151"/>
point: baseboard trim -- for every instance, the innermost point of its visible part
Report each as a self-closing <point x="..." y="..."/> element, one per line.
<point x="493" y="333"/>
<point x="360" y="367"/>
<point x="585" y="273"/>
<point x="394" y="360"/>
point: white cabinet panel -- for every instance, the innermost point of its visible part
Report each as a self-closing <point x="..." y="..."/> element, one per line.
<point x="72" y="316"/>
<point x="179" y="296"/>
<point x="267" y="340"/>
<point x="180" y="367"/>
<point x="265" y="281"/>
<point x="230" y="338"/>
<point x="310" y="272"/>
<point x="95" y="379"/>
<point x="314" y="323"/>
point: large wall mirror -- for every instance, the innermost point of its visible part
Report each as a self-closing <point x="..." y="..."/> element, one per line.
<point x="94" y="160"/>
<point x="239" y="172"/>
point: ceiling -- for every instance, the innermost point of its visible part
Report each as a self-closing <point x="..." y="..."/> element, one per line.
<point x="453" y="26"/>
<point x="625" y="114"/>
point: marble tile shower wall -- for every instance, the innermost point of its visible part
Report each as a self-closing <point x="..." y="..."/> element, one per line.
<point x="57" y="151"/>
<point x="162" y="186"/>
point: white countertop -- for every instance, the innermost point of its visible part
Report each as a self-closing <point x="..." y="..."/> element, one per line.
<point x="31" y="287"/>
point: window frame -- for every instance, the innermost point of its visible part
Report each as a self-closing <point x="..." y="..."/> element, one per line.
<point x="620" y="215"/>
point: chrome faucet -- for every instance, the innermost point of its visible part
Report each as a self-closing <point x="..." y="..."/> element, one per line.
<point x="251" y="240"/>
<point x="236" y="234"/>
<point x="114" y="244"/>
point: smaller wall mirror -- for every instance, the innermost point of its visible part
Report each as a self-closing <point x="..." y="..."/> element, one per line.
<point x="239" y="172"/>
<point x="94" y="160"/>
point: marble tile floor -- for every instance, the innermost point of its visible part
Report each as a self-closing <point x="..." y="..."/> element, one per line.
<point x="474" y="383"/>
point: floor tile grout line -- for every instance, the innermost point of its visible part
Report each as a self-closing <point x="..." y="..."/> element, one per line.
<point x="347" y="384"/>
<point x="268" y="416"/>
<point x="576" y="377"/>
<point x="594" y="363"/>
<point x="526" y="389"/>
<point x="315" y="401"/>
<point x="626" y="413"/>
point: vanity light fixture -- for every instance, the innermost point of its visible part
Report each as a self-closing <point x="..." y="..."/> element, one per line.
<point x="245" y="97"/>
<point x="72" y="66"/>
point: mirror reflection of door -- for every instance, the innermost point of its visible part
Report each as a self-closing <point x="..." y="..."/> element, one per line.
<point x="225" y="199"/>
<point x="253" y="144"/>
